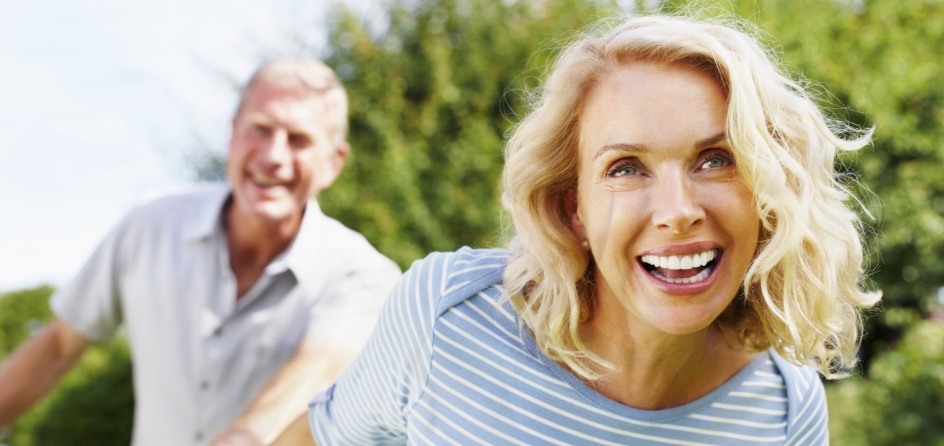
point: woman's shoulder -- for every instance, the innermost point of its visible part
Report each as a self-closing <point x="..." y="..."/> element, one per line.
<point x="801" y="381"/>
<point x="458" y="275"/>
<point x="807" y="414"/>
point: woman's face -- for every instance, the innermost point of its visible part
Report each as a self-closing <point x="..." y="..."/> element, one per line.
<point x="670" y="223"/>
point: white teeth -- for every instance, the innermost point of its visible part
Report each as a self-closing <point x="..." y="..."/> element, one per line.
<point x="674" y="262"/>
<point x="696" y="278"/>
<point x="682" y="262"/>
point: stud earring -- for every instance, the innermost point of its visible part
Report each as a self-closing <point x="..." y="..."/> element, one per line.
<point x="585" y="244"/>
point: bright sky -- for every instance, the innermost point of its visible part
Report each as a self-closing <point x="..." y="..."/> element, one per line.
<point x="102" y="100"/>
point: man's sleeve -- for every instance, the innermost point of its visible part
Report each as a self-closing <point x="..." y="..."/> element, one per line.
<point x="370" y="402"/>
<point x="91" y="302"/>
<point x="347" y="312"/>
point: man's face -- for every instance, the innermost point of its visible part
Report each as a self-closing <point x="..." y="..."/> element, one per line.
<point x="281" y="152"/>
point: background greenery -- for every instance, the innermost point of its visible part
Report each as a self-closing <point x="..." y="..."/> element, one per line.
<point x="435" y="88"/>
<point x="94" y="403"/>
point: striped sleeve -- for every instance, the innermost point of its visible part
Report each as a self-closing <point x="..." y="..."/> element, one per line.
<point x="370" y="402"/>
<point x="808" y="423"/>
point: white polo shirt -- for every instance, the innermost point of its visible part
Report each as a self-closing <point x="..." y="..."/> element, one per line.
<point x="200" y="356"/>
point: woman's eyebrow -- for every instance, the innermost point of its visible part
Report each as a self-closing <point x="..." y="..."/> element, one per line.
<point x="705" y="142"/>
<point x="622" y="147"/>
<point x="642" y="148"/>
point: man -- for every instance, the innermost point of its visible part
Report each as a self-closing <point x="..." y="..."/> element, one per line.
<point x="240" y="301"/>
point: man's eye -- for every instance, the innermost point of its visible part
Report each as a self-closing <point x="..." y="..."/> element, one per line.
<point x="622" y="168"/>
<point x="261" y="130"/>
<point x="298" y="140"/>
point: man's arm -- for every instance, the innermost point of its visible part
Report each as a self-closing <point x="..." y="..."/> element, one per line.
<point x="313" y="368"/>
<point x="36" y="366"/>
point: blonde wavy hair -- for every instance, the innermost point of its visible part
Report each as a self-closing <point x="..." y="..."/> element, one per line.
<point x="802" y="294"/>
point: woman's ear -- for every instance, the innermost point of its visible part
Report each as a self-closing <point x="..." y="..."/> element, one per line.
<point x="572" y="208"/>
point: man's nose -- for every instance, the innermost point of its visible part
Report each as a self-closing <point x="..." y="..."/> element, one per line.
<point x="275" y="150"/>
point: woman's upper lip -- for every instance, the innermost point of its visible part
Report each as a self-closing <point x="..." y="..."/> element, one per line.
<point x="683" y="249"/>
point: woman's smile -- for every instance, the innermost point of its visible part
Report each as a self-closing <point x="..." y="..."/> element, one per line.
<point x="681" y="269"/>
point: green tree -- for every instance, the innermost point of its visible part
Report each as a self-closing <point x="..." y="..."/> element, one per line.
<point x="93" y="404"/>
<point x="434" y="89"/>
<point x="21" y="313"/>
<point x="900" y="401"/>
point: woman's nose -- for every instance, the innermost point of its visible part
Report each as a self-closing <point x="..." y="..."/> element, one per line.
<point x="676" y="204"/>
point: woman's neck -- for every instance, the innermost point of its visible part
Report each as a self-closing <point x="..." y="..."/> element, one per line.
<point x="655" y="370"/>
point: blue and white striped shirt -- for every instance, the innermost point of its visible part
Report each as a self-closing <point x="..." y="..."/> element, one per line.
<point x="447" y="365"/>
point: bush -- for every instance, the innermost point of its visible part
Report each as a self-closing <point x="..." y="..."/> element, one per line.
<point x="900" y="402"/>
<point x="21" y="313"/>
<point x="94" y="402"/>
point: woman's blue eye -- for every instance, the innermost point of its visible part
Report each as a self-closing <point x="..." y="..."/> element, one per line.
<point x="717" y="160"/>
<point x="622" y="169"/>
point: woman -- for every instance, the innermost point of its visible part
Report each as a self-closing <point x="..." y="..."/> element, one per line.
<point x="684" y="264"/>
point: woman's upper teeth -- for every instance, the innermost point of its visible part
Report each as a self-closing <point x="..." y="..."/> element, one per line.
<point x="688" y="261"/>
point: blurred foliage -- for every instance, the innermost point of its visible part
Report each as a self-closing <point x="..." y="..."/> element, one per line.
<point x="21" y="314"/>
<point x="94" y="402"/>
<point x="900" y="403"/>
<point x="434" y="89"/>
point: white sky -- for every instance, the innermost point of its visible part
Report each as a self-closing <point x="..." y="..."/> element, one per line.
<point x="100" y="103"/>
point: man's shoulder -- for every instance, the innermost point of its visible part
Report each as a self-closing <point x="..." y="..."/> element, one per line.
<point x="338" y="235"/>
<point x="325" y="246"/>
<point x="181" y="202"/>
<point x="184" y="211"/>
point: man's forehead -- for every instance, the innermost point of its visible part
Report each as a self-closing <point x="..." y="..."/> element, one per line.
<point x="293" y="105"/>
<point x="306" y="115"/>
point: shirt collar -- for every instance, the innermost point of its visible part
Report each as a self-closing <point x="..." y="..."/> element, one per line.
<point x="207" y="220"/>
<point x="306" y="252"/>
